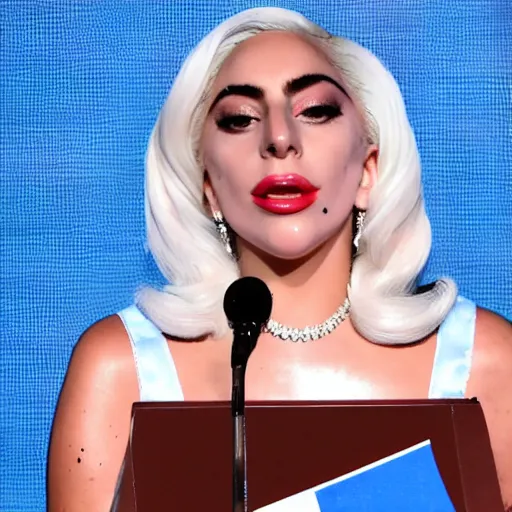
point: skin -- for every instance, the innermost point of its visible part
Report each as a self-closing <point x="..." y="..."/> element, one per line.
<point x="298" y="256"/>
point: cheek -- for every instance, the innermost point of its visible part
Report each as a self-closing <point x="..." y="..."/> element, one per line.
<point x="218" y="162"/>
<point x="229" y="177"/>
<point x="343" y="165"/>
<point x="340" y="181"/>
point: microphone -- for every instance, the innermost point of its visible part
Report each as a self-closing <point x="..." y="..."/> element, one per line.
<point x="247" y="305"/>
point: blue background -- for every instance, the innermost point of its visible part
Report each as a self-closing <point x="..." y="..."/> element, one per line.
<point x="81" y="85"/>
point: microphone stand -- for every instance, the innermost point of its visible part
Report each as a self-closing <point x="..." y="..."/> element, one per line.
<point x="245" y="337"/>
<point x="239" y="461"/>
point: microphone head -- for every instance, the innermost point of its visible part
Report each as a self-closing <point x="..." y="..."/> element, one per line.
<point x="248" y="299"/>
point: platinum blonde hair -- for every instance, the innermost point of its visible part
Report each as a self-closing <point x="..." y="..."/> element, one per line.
<point x="396" y="239"/>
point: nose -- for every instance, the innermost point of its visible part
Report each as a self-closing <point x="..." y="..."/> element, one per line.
<point x="281" y="137"/>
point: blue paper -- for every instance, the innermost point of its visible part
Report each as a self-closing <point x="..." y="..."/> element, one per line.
<point x="406" y="481"/>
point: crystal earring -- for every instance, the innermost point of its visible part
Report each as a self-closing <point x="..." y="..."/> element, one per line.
<point x="224" y="233"/>
<point x="359" y="227"/>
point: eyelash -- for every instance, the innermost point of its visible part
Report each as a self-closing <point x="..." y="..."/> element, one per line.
<point x="327" y="110"/>
<point x="317" y="114"/>
<point x="227" y="122"/>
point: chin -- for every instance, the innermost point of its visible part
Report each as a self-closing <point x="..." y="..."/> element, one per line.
<point x="289" y="246"/>
<point x="290" y="253"/>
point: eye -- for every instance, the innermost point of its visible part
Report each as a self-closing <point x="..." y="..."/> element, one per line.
<point x="322" y="113"/>
<point x="235" y="123"/>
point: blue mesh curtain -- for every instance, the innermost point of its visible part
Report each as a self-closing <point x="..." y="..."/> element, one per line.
<point x="81" y="85"/>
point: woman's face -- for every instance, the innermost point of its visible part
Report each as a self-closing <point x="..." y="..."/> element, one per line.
<point x="284" y="147"/>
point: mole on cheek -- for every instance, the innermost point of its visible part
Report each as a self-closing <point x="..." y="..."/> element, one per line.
<point x="324" y="210"/>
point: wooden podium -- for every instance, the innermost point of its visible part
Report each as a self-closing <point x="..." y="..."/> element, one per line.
<point x="179" y="457"/>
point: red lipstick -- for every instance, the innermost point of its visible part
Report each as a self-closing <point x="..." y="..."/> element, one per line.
<point x="284" y="194"/>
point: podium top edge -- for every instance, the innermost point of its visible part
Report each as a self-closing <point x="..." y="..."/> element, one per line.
<point x="294" y="404"/>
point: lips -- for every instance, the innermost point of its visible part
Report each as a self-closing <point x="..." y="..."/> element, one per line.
<point x="284" y="194"/>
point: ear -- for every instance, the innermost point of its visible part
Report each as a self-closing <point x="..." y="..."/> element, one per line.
<point x="368" y="179"/>
<point x="210" y="199"/>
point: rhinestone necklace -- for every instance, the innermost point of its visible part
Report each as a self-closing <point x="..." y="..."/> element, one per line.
<point x="309" y="333"/>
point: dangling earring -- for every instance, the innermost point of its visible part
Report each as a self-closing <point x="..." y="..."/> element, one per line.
<point x="359" y="227"/>
<point x="224" y="233"/>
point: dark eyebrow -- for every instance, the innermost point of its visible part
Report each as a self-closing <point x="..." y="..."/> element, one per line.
<point x="249" y="91"/>
<point x="291" y="87"/>
<point x="303" y="82"/>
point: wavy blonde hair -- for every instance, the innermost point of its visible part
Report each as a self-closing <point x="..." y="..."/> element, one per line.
<point x="396" y="239"/>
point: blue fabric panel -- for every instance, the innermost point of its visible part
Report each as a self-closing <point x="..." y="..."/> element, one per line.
<point x="408" y="482"/>
<point x="81" y="85"/>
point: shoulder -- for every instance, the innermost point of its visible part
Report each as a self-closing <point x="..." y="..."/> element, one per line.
<point x="102" y="359"/>
<point x="91" y="425"/>
<point x="492" y="359"/>
<point x="491" y="383"/>
<point x="106" y="342"/>
<point x="493" y="345"/>
<point x="101" y="369"/>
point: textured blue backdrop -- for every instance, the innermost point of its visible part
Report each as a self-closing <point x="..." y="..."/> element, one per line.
<point x="82" y="83"/>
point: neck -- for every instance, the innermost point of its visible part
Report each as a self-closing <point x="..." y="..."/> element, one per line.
<point x="305" y="291"/>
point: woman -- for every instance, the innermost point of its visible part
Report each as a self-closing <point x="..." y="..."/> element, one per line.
<point x="282" y="137"/>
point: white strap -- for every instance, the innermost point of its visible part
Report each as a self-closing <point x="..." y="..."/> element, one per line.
<point x="156" y="372"/>
<point x="454" y="351"/>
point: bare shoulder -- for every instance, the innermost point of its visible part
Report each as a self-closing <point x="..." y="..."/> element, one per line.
<point x="104" y="343"/>
<point x="91" y="424"/>
<point x="493" y="335"/>
<point x="492" y="353"/>
<point x="103" y="356"/>
<point x="491" y="383"/>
